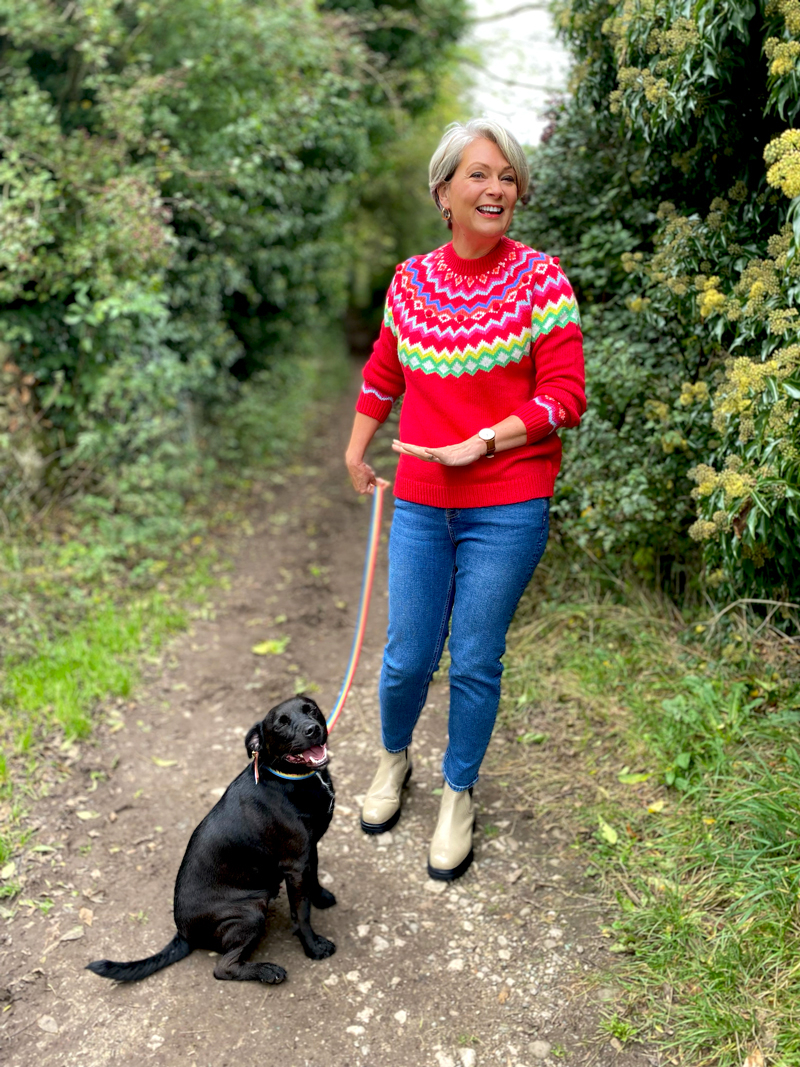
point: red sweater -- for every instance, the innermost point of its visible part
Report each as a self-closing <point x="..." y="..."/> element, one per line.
<point x="470" y="342"/>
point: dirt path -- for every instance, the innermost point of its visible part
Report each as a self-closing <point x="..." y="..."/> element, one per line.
<point x="503" y="967"/>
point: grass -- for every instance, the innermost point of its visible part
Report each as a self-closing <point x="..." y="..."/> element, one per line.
<point x="60" y="685"/>
<point x="84" y="604"/>
<point x="685" y="785"/>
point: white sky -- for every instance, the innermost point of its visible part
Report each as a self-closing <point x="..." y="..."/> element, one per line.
<point x="523" y="50"/>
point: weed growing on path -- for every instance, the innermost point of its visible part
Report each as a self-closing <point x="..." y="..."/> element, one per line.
<point x="676" y="763"/>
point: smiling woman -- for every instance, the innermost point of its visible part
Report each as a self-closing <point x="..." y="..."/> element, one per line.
<point x="483" y="338"/>
<point x="477" y="174"/>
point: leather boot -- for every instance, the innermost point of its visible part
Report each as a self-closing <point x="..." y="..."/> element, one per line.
<point x="451" y="853"/>
<point x="381" y="808"/>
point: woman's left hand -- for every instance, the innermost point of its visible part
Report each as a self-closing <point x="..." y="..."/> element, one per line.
<point x="460" y="455"/>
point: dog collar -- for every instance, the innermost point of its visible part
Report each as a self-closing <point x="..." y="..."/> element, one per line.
<point x="292" y="777"/>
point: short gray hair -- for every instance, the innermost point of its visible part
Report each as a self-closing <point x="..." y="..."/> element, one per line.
<point x="446" y="158"/>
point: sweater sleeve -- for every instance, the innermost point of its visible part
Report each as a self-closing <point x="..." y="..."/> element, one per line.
<point x="558" y="396"/>
<point x="383" y="375"/>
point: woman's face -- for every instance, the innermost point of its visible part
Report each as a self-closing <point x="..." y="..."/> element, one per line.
<point x="481" y="194"/>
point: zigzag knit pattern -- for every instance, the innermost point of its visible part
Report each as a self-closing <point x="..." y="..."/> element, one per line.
<point x="449" y="323"/>
<point x="471" y="342"/>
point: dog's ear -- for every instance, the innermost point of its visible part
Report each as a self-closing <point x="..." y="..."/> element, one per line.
<point x="254" y="741"/>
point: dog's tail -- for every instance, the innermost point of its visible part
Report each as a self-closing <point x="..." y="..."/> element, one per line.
<point x="177" y="949"/>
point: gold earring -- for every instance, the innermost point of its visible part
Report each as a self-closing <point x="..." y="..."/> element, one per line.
<point x="446" y="214"/>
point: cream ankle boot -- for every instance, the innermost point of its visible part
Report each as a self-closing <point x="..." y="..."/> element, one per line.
<point x="451" y="853"/>
<point x="381" y="808"/>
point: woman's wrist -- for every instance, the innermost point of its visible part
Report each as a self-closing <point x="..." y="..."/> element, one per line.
<point x="510" y="433"/>
<point x="480" y="445"/>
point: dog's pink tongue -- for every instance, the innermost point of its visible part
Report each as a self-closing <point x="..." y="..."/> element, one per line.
<point x="316" y="754"/>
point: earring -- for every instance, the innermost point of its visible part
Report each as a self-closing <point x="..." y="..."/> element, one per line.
<point x="446" y="214"/>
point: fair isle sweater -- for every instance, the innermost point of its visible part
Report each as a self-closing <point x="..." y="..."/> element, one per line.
<point x="470" y="342"/>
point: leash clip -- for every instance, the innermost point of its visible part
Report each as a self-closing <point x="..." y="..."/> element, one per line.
<point x="255" y="764"/>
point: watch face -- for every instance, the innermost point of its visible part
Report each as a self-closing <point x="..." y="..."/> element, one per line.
<point x="486" y="435"/>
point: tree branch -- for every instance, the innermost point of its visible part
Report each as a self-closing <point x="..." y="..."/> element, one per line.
<point x="507" y="81"/>
<point x="510" y="13"/>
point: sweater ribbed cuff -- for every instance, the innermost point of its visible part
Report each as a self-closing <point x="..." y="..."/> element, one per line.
<point x="538" y="421"/>
<point x="369" y="404"/>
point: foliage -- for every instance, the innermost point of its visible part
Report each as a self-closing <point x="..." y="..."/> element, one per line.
<point x="668" y="165"/>
<point x="395" y="217"/>
<point x="623" y="493"/>
<point x="177" y="181"/>
<point x="405" y="40"/>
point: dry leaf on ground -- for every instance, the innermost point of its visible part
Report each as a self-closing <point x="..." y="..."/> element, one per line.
<point x="754" y="1059"/>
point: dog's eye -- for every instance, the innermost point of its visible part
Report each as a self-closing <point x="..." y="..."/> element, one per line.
<point x="283" y="720"/>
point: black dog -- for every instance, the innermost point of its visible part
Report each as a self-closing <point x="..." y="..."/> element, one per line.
<point x="262" y="831"/>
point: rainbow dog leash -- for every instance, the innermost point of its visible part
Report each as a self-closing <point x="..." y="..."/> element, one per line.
<point x="363" y="607"/>
<point x="358" y="636"/>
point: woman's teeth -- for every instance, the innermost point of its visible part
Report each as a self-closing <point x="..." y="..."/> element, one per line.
<point x="485" y="209"/>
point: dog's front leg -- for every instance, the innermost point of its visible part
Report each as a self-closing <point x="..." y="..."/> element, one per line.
<point x="298" y="890"/>
<point x="320" y="897"/>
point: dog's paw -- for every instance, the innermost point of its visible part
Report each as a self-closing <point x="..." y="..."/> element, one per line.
<point x="323" y="898"/>
<point x="271" y="973"/>
<point x="319" y="948"/>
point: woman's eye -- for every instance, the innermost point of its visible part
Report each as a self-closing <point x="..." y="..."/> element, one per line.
<point x="476" y="174"/>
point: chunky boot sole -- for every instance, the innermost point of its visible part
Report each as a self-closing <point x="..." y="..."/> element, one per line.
<point x="455" y="872"/>
<point x="382" y="827"/>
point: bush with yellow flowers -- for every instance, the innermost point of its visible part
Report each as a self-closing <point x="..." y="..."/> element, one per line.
<point x="683" y="131"/>
<point x="735" y="283"/>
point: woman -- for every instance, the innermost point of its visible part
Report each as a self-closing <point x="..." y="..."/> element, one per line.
<point x="483" y="338"/>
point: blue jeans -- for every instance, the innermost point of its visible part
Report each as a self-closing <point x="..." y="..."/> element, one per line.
<point x="466" y="569"/>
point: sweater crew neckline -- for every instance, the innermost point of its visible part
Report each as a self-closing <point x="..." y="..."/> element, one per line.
<point x="481" y="265"/>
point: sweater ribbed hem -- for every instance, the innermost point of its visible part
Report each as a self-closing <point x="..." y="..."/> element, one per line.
<point x="369" y="404"/>
<point x="537" y="484"/>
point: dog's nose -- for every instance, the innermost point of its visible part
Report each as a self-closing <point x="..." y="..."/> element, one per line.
<point x="311" y="729"/>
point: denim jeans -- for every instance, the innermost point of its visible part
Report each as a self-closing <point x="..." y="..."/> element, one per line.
<point x="462" y="569"/>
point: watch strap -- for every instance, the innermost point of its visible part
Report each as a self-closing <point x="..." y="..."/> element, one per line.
<point x="490" y="438"/>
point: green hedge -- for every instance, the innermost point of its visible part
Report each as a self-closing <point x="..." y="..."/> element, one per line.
<point x="670" y="185"/>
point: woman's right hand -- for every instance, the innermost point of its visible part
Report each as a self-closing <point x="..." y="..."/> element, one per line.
<point x="362" y="476"/>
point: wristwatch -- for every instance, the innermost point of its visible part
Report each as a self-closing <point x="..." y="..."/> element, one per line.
<point x="489" y="436"/>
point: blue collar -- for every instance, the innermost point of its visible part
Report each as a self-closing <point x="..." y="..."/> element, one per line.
<point x="291" y="777"/>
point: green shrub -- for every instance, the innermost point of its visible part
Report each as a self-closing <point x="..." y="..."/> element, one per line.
<point x="177" y="183"/>
<point x="656" y="167"/>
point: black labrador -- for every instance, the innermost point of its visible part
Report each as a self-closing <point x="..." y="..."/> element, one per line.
<point x="262" y="831"/>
